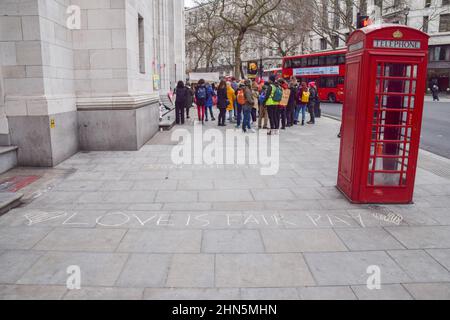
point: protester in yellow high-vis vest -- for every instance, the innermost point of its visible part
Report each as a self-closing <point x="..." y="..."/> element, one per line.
<point x="273" y="95"/>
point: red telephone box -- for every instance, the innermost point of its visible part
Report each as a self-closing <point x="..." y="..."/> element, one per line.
<point x="385" y="85"/>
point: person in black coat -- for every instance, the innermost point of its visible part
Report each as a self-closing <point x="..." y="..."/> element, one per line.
<point x="222" y="102"/>
<point x="292" y="104"/>
<point x="189" y="100"/>
<point x="181" y="100"/>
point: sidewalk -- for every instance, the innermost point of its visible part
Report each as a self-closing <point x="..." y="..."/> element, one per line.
<point x="140" y="228"/>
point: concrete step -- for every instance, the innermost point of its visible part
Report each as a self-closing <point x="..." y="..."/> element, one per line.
<point x="9" y="200"/>
<point x="8" y="158"/>
<point x="167" y="122"/>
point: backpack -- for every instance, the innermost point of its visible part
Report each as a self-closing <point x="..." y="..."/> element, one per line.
<point x="305" y="96"/>
<point x="277" y="94"/>
<point x="262" y="97"/>
<point x="241" y="97"/>
<point x="201" y="93"/>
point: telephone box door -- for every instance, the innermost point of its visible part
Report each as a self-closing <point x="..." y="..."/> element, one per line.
<point x="394" y="129"/>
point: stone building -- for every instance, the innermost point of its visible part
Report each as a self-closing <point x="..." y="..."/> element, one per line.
<point x="85" y="74"/>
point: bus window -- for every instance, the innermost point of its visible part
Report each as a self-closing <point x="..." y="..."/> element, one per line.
<point x="331" y="60"/>
<point x="331" y="82"/>
<point x="341" y="59"/>
<point x="322" y="61"/>
<point x="313" y="61"/>
<point x="288" y="63"/>
<point x="328" y="82"/>
<point x="296" y="63"/>
<point x="341" y="80"/>
<point x="304" y="62"/>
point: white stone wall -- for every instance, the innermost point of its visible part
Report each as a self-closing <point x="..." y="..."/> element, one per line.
<point x="49" y="69"/>
<point x="100" y="49"/>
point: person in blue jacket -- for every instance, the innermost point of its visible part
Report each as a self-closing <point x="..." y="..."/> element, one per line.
<point x="209" y="101"/>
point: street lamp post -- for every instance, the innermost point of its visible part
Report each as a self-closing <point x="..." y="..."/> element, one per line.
<point x="407" y="10"/>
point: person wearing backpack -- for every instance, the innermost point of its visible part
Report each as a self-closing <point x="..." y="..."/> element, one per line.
<point x="210" y="94"/>
<point x="313" y="101"/>
<point x="240" y="101"/>
<point x="302" y="103"/>
<point x="273" y="98"/>
<point x="200" y="96"/>
<point x="247" y="106"/>
<point x="181" y="97"/>
<point x="263" y="118"/>
<point x="282" y="107"/>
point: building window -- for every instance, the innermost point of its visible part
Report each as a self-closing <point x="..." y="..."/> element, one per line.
<point x="425" y="24"/>
<point x="141" y="44"/>
<point x="335" y="40"/>
<point x="444" y="23"/>
<point x="440" y="53"/>
<point x="445" y="2"/>
<point x="323" y="44"/>
<point x="428" y="3"/>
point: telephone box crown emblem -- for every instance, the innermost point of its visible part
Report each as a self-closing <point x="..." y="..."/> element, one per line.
<point x="398" y="34"/>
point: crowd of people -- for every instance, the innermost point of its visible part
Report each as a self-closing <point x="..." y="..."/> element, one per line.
<point x="272" y="105"/>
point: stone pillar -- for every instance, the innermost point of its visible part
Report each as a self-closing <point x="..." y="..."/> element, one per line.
<point x="38" y="81"/>
<point x="117" y="107"/>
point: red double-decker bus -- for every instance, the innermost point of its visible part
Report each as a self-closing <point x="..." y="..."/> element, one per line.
<point x="327" y="69"/>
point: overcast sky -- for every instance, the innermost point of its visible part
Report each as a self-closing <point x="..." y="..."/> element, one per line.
<point x="188" y="3"/>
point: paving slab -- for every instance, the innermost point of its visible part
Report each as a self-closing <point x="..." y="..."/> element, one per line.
<point x="24" y="292"/>
<point x="350" y="268"/>
<point x="442" y="256"/>
<point x="97" y="269"/>
<point x="15" y="263"/>
<point x="232" y="241"/>
<point x="145" y="270"/>
<point x="420" y="266"/>
<point x="161" y="241"/>
<point x="273" y="194"/>
<point x="78" y="239"/>
<point x="422" y="237"/>
<point x="177" y="196"/>
<point x="191" y="271"/>
<point x="303" y="240"/>
<point x="358" y="239"/>
<point x="226" y="196"/>
<point x="387" y="292"/>
<point x="21" y="238"/>
<point x="429" y="291"/>
<point x="262" y="270"/>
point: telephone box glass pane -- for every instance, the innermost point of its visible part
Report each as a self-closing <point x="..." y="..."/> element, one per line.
<point x="395" y="88"/>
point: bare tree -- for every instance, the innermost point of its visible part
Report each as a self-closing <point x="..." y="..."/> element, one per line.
<point x="286" y="37"/>
<point x="241" y="16"/>
<point x="331" y="20"/>
<point x="204" y="35"/>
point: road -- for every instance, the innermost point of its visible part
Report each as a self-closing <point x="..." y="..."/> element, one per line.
<point x="436" y="125"/>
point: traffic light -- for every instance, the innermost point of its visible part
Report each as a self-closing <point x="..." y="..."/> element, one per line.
<point x="363" y="21"/>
